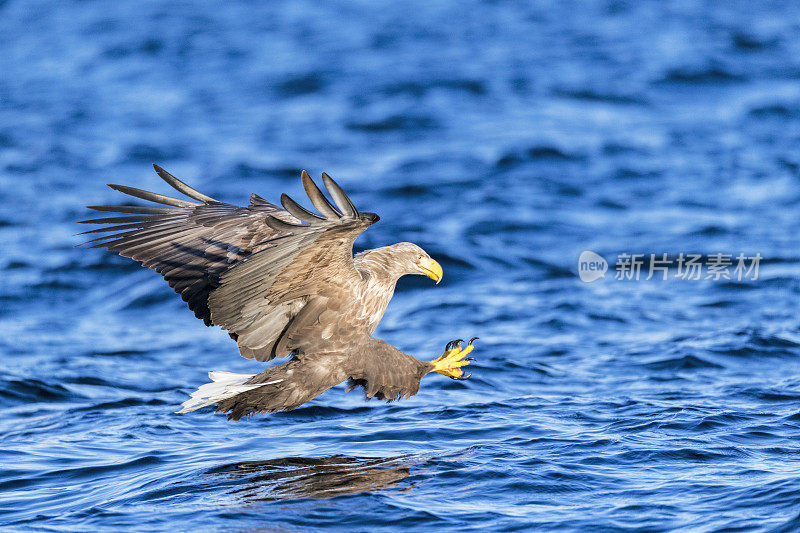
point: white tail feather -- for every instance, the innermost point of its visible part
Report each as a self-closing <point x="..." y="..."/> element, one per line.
<point x="223" y="385"/>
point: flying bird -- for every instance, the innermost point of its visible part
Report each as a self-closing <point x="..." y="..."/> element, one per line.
<point x="283" y="282"/>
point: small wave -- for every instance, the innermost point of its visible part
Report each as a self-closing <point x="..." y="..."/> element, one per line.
<point x="394" y="123"/>
<point x="687" y="362"/>
<point x="790" y="526"/>
<point x="535" y="153"/>
<point x="34" y="390"/>
<point x="770" y="395"/>
<point x="149" y="47"/>
<point x="82" y="473"/>
<point x="706" y="423"/>
<point x="593" y="95"/>
<point x="747" y="42"/>
<point x="301" y="85"/>
<point x="719" y="304"/>
<point x="248" y="170"/>
<point x="148" y="153"/>
<point x="119" y="404"/>
<point x="700" y="75"/>
<point x="752" y="343"/>
<point x="774" y="111"/>
<point x="712" y="230"/>
<point x="504" y="228"/>
<point x="418" y="89"/>
<point x="112" y="353"/>
<point x="549" y="270"/>
<point x="410" y="191"/>
<point x="706" y="455"/>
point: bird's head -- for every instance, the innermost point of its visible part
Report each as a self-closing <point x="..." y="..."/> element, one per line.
<point x="408" y="258"/>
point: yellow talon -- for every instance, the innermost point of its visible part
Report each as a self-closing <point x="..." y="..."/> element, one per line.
<point x="450" y="362"/>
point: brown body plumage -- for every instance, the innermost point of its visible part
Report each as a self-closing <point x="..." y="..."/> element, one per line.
<point x="282" y="282"/>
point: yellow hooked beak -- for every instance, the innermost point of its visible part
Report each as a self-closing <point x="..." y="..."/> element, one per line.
<point x="431" y="268"/>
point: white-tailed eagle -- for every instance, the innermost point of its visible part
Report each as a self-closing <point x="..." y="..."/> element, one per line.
<point x="282" y="282"/>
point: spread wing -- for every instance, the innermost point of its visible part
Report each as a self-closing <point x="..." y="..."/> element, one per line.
<point x="251" y="270"/>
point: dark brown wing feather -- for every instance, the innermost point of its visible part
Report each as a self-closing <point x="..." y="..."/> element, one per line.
<point x="190" y="243"/>
<point x="204" y="247"/>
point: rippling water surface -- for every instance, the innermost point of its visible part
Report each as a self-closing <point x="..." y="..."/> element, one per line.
<point x="502" y="137"/>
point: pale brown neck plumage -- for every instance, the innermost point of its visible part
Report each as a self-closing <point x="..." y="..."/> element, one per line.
<point x="379" y="266"/>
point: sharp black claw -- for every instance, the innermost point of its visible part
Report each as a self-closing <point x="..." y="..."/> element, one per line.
<point x="462" y="378"/>
<point x="472" y="339"/>
<point x="470" y="359"/>
<point x="453" y="344"/>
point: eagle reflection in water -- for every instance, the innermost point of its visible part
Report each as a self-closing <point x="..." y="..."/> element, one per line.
<point x="293" y="478"/>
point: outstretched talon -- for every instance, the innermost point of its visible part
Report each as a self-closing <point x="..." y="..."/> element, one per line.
<point x="454" y="357"/>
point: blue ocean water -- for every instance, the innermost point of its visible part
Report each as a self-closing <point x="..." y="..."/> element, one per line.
<point x="503" y="137"/>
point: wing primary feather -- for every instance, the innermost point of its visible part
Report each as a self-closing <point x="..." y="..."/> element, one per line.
<point x="280" y="225"/>
<point x="114" y="228"/>
<point x="152" y="196"/>
<point x="342" y="201"/>
<point x="133" y="209"/>
<point x="114" y="220"/>
<point x="298" y="211"/>
<point x="143" y="225"/>
<point x="318" y="199"/>
<point x="180" y="186"/>
<point x="111" y="238"/>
